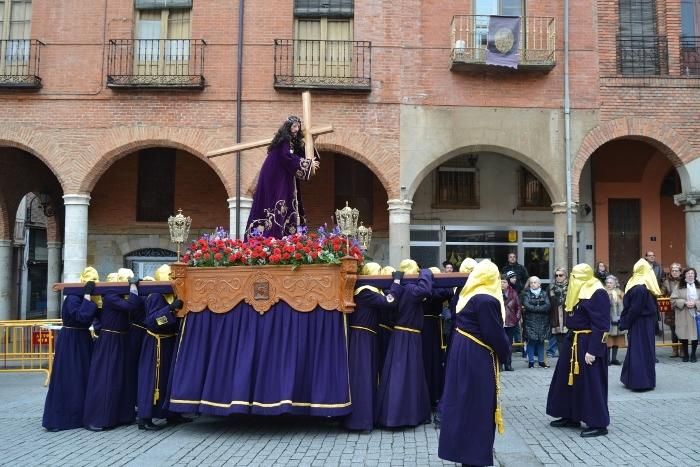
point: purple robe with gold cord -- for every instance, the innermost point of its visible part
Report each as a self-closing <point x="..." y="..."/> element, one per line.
<point x="586" y="398"/>
<point x="469" y="399"/>
<point x="402" y="397"/>
<point x="433" y="341"/>
<point x="639" y="317"/>
<point x="277" y="209"/>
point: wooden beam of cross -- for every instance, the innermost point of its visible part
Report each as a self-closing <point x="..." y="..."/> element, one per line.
<point x="308" y="132"/>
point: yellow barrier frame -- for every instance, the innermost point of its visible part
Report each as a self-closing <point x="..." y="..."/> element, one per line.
<point x="18" y="349"/>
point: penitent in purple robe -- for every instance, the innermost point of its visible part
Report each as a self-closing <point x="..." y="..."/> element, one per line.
<point x="106" y="404"/>
<point x="363" y="355"/>
<point x="402" y="397"/>
<point x="639" y="317"/>
<point x="586" y="400"/>
<point x="469" y="400"/>
<point x="277" y="209"/>
<point x="156" y="357"/>
<point x="137" y="331"/>
<point x="63" y="409"/>
<point x="433" y="341"/>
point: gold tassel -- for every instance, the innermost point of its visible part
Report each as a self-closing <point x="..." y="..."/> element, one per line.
<point x="156" y="396"/>
<point x="576" y="369"/>
<point x="498" y="416"/>
<point x="571" y="379"/>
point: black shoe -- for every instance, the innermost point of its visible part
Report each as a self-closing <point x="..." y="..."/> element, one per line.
<point x="531" y="365"/>
<point x="593" y="432"/>
<point x="615" y="362"/>
<point x="544" y="365"/>
<point x="177" y="419"/>
<point x="53" y="430"/>
<point x="686" y="359"/>
<point x="148" y="425"/>
<point x="693" y="359"/>
<point x="94" y="428"/>
<point x="565" y="423"/>
<point x="509" y="368"/>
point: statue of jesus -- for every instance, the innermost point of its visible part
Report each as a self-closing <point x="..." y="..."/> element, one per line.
<point x="277" y="207"/>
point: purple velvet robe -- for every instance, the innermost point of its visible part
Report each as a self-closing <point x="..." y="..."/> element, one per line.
<point x="402" y="397"/>
<point x="137" y="331"/>
<point x="639" y="317"/>
<point x="106" y="403"/>
<point x="433" y="341"/>
<point x="277" y="209"/>
<point x="161" y="321"/>
<point x="587" y="399"/>
<point x="363" y="355"/>
<point x="63" y="409"/>
<point x="469" y="400"/>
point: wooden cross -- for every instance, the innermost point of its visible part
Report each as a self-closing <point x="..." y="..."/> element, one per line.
<point x="308" y="131"/>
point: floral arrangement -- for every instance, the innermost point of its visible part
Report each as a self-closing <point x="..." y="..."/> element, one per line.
<point x="319" y="247"/>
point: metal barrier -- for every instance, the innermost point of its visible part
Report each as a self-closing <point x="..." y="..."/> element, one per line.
<point x="28" y="346"/>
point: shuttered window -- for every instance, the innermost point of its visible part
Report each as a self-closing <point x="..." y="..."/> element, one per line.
<point x="324" y="8"/>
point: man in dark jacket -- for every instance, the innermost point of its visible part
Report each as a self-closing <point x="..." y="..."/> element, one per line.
<point x="518" y="269"/>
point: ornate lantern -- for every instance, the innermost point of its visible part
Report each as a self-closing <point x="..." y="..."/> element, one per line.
<point x="347" y="221"/>
<point x="179" y="230"/>
<point x="364" y="236"/>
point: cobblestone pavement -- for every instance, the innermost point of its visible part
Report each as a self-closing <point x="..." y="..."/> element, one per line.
<point x="652" y="428"/>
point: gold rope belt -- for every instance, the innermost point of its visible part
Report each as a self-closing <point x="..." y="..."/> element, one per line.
<point x="79" y="329"/>
<point x="387" y="327"/>
<point x="158" y="337"/>
<point x="402" y="328"/>
<point x="139" y="326"/>
<point x="112" y="331"/>
<point x="498" y="414"/>
<point x="573" y="363"/>
<point x="363" y="329"/>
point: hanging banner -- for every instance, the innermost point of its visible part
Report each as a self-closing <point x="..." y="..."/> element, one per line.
<point x="503" y="47"/>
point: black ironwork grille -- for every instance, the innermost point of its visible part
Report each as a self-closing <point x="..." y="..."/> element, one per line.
<point x="19" y="63"/>
<point x="323" y="64"/>
<point x="642" y="55"/>
<point x="690" y="56"/>
<point x="156" y="63"/>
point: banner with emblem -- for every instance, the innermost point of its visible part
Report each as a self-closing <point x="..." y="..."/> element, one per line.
<point x="503" y="47"/>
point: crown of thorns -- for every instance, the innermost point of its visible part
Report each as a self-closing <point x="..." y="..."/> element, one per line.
<point x="293" y="119"/>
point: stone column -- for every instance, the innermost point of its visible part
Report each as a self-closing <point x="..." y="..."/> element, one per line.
<point x="53" y="299"/>
<point x="399" y="230"/>
<point x="5" y="279"/>
<point x="560" y="241"/>
<point x="689" y="202"/>
<point x="246" y="205"/>
<point x="75" y="235"/>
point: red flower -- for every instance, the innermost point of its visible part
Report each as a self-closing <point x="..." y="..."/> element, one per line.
<point x="218" y="256"/>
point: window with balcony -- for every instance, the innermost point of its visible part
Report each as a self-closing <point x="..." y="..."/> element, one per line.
<point x="18" y="53"/>
<point x="531" y="192"/>
<point x="457" y="184"/>
<point x="162" y="53"/>
<point x="640" y="50"/>
<point x="690" y="37"/>
<point x="323" y="52"/>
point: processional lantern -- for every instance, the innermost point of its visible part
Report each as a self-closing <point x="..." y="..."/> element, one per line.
<point x="179" y="230"/>
<point x="347" y="221"/>
<point x="364" y="236"/>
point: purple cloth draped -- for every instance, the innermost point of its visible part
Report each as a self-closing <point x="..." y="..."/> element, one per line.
<point x="639" y="317"/>
<point x="363" y="356"/>
<point x="106" y="404"/>
<point x="469" y="401"/>
<point x="277" y="209"/>
<point x="283" y="361"/>
<point x="402" y="397"/>
<point x="63" y="409"/>
<point x="503" y="41"/>
<point x="433" y="340"/>
<point x="587" y="399"/>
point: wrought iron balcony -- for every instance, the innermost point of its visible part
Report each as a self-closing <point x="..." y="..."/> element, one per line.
<point x="690" y="55"/>
<point x="156" y="63"/>
<point x="19" y="63"/>
<point x="469" y="35"/>
<point x="642" y="55"/>
<point x="317" y="64"/>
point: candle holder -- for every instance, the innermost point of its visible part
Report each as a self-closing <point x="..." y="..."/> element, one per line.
<point x="179" y="230"/>
<point x="364" y="236"/>
<point x="347" y="221"/>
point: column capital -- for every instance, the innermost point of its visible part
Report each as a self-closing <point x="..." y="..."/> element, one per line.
<point x="5" y="243"/>
<point x="399" y="206"/>
<point x="245" y="202"/>
<point x="688" y="200"/>
<point x="81" y="199"/>
<point x="51" y="245"/>
<point x="560" y="208"/>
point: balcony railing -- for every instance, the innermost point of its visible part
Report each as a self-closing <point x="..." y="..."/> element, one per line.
<point x="19" y="63"/>
<point x="690" y="56"/>
<point x="156" y="63"/>
<point x="469" y="34"/>
<point x="317" y="64"/>
<point x="642" y="55"/>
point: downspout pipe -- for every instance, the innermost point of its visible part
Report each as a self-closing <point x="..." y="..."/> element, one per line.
<point x="567" y="144"/>
<point x="239" y="97"/>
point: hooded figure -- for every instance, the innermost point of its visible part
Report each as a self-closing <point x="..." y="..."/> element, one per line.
<point x="107" y="401"/>
<point x="639" y="319"/>
<point x="434" y="342"/>
<point x="579" y="388"/>
<point x="363" y="352"/>
<point x="63" y="409"/>
<point x="469" y="406"/>
<point x="402" y="397"/>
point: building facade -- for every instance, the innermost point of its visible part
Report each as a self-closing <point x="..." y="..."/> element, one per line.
<point x="109" y="110"/>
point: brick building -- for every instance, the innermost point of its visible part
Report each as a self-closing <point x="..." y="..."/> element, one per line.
<point x="108" y="110"/>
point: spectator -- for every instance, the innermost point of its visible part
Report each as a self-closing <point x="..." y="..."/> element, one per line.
<point x="518" y="335"/>
<point x="557" y="299"/>
<point x="616" y="337"/>
<point x="512" y="321"/>
<point x="685" y="303"/>
<point x="655" y="267"/>
<point x="601" y="272"/>
<point x="668" y="287"/>
<point x="447" y="266"/>
<point x="536" y="321"/>
<point x="519" y="270"/>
